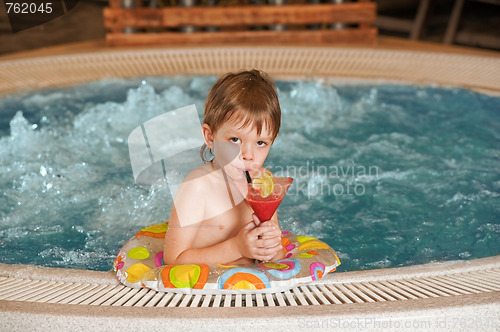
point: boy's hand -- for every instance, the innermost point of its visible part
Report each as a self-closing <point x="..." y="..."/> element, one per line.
<point x="261" y="242"/>
<point x="257" y="222"/>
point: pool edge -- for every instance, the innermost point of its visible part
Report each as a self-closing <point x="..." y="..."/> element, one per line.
<point x="461" y="312"/>
<point x="35" y="272"/>
<point x="478" y="73"/>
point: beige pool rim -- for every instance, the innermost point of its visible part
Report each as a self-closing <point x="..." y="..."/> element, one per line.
<point x="416" y="67"/>
<point x="458" y="295"/>
<point x="462" y="295"/>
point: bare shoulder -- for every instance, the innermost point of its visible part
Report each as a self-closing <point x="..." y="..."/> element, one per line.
<point x="199" y="172"/>
<point x="190" y="199"/>
<point x="199" y="177"/>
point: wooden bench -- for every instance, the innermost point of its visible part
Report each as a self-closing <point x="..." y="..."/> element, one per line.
<point x="242" y="24"/>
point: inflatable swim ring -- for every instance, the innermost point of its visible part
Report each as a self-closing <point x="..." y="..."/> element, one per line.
<point x="139" y="264"/>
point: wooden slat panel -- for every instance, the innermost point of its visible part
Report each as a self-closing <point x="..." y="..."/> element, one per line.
<point x="310" y="297"/>
<point x="73" y="294"/>
<point x="238" y="301"/>
<point x="289" y="296"/>
<point x="13" y="286"/>
<point x="270" y="300"/>
<point x="404" y="285"/>
<point x="280" y="299"/>
<point x="143" y="300"/>
<point x="125" y="297"/>
<point x="360" y="294"/>
<point x="175" y="301"/>
<point x="50" y="294"/>
<point x="88" y="295"/>
<point x="103" y="294"/>
<point x="115" y="3"/>
<point x="227" y="300"/>
<point x="248" y="300"/>
<point x="217" y="300"/>
<point x="206" y="301"/>
<point x="384" y="292"/>
<point x="367" y="289"/>
<point x="185" y="301"/>
<point x="347" y="36"/>
<point x="196" y="301"/>
<point x="239" y="15"/>
<point x="155" y="300"/>
<point x="165" y="299"/>
<point x="328" y="293"/>
<point x="41" y="286"/>
<point x="259" y="300"/>
<point x="116" y="297"/>
<point x="397" y="291"/>
<point x="366" y="25"/>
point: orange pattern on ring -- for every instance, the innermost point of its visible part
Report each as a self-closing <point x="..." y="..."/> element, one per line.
<point x="285" y="242"/>
<point x="117" y="261"/>
<point x="157" y="231"/>
<point x="200" y="283"/>
<point x="235" y="278"/>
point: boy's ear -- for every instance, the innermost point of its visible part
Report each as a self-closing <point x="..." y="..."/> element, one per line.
<point x="208" y="136"/>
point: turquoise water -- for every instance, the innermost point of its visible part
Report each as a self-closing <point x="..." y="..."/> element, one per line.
<point x="388" y="175"/>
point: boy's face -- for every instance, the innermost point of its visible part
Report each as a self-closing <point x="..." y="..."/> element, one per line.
<point x="241" y="149"/>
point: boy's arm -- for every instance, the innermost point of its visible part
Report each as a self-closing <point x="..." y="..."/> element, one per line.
<point x="178" y="247"/>
<point x="188" y="213"/>
<point x="246" y="244"/>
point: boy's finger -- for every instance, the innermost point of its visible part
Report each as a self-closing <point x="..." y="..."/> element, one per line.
<point x="268" y="243"/>
<point x="256" y="220"/>
<point x="262" y="230"/>
<point x="264" y="252"/>
<point x="271" y="233"/>
<point x="250" y="225"/>
<point x="266" y="236"/>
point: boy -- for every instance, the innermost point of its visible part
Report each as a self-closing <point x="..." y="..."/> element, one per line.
<point x="210" y="221"/>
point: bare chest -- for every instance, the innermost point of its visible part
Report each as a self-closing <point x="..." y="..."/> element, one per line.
<point x="223" y="224"/>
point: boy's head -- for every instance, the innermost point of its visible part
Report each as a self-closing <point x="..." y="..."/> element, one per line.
<point x="249" y="97"/>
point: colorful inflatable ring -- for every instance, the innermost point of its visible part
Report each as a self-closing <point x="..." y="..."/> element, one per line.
<point x="139" y="264"/>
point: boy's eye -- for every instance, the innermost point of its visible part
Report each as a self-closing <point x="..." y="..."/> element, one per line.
<point x="261" y="143"/>
<point x="234" y="139"/>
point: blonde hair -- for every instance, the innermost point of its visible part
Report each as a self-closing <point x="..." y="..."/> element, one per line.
<point x="248" y="96"/>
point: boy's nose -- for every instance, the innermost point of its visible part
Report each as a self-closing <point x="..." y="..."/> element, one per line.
<point x="247" y="152"/>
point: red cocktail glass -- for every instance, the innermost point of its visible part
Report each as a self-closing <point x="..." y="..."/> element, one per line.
<point x="264" y="207"/>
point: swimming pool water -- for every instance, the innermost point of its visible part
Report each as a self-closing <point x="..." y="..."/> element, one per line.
<point x="388" y="175"/>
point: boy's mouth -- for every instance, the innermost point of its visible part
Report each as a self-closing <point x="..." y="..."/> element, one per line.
<point x="242" y="172"/>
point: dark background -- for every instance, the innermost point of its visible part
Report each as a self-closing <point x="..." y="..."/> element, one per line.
<point x="478" y="26"/>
